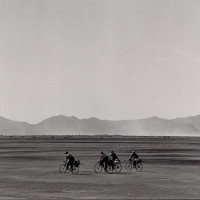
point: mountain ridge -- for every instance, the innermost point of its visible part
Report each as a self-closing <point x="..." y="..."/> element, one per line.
<point x="65" y="125"/>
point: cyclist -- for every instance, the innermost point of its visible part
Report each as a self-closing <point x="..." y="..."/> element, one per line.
<point x="70" y="160"/>
<point x="113" y="157"/>
<point x="104" y="159"/>
<point x="134" y="157"/>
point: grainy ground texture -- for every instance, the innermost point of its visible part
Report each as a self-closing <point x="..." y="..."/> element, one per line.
<point x="29" y="168"/>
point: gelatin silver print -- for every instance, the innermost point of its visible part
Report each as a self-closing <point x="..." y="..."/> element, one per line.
<point x="99" y="99"/>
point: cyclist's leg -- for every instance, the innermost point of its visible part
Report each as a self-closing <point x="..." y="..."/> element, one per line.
<point x="72" y="164"/>
<point x="103" y="163"/>
<point x="112" y="163"/>
<point x="106" y="163"/>
<point x="134" y="163"/>
<point x="68" y="163"/>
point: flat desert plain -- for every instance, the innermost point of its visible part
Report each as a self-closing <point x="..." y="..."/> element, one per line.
<point x="29" y="168"/>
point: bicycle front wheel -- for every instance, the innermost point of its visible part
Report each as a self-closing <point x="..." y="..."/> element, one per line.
<point x="97" y="168"/>
<point x="139" y="167"/>
<point x="128" y="166"/>
<point x="118" y="167"/>
<point x="62" y="169"/>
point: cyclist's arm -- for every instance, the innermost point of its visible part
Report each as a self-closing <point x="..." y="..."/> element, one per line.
<point x="131" y="157"/>
<point x="66" y="159"/>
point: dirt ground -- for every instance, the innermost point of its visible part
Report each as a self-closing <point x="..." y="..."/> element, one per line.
<point x="29" y="168"/>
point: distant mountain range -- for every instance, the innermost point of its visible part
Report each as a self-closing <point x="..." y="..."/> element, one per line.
<point x="63" y="125"/>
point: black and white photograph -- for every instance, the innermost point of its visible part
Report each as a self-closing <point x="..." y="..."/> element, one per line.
<point x="99" y="99"/>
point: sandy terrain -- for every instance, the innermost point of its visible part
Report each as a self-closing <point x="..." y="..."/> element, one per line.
<point x="29" y="168"/>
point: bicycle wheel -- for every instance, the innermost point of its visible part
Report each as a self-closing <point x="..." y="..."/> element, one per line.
<point x="139" y="167"/>
<point x="118" y="167"/>
<point x="75" y="170"/>
<point x="97" y="168"/>
<point x="109" y="169"/>
<point x="62" y="169"/>
<point x="128" y="166"/>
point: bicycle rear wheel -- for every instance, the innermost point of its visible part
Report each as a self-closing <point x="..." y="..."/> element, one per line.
<point x="62" y="169"/>
<point x="139" y="167"/>
<point x="98" y="168"/>
<point x="128" y="166"/>
<point x="75" y="170"/>
<point x="118" y="167"/>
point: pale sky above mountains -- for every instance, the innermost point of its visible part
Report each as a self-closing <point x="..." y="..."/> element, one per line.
<point x="111" y="59"/>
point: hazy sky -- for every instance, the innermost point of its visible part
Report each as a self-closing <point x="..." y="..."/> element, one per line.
<point x="112" y="59"/>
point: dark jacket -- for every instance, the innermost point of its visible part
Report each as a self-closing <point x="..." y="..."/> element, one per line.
<point x="103" y="156"/>
<point x="69" y="157"/>
<point x="134" y="156"/>
<point x="114" y="156"/>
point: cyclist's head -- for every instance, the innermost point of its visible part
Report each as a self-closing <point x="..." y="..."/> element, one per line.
<point x="133" y="151"/>
<point x="66" y="152"/>
<point x="101" y="152"/>
<point x="112" y="152"/>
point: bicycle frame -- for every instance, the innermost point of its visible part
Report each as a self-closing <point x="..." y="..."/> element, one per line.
<point x="63" y="168"/>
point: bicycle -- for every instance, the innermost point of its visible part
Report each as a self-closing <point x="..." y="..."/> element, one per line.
<point x="75" y="170"/>
<point x="137" y="164"/>
<point x="98" y="168"/>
